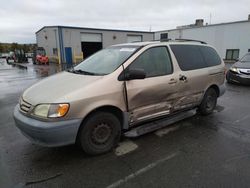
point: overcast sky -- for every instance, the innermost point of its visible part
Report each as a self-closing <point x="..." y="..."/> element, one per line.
<point x="20" y="19"/>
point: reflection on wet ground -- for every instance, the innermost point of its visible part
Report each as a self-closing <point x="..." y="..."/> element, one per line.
<point x="15" y="78"/>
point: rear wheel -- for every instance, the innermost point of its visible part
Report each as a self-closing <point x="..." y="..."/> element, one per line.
<point x="209" y="102"/>
<point x="100" y="133"/>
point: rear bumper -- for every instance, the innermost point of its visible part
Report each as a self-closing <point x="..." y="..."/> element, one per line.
<point x="222" y="89"/>
<point x="50" y="134"/>
<point x="238" y="78"/>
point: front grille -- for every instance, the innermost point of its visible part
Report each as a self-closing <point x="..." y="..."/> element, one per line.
<point x="245" y="71"/>
<point x="24" y="106"/>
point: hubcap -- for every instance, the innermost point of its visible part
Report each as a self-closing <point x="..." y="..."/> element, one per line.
<point x="210" y="102"/>
<point x="101" y="133"/>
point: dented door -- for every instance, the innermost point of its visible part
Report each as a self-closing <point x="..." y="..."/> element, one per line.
<point x="153" y="96"/>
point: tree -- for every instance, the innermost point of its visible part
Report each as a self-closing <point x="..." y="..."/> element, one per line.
<point x="1" y="48"/>
<point x="14" y="46"/>
<point x="25" y="48"/>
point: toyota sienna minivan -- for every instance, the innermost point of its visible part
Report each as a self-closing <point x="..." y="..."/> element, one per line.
<point x="119" y="89"/>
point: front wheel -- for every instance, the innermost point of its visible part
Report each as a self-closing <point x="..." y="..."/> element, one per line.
<point x="228" y="78"/>
<point x="209" y="102"/>
<point x="100" y="133"/>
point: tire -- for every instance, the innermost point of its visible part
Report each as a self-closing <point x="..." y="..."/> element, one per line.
<point x="209" y="102"/>
<point x="100" y="133"/>
<point x="228" y="79"/>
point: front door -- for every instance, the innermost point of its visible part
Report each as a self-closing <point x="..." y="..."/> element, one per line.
<point x="68" y="55"/>
<point x="153" y="96"/>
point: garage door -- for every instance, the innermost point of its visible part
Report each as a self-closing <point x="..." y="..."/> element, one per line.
<point x="134" y="38"/>
<point x="91" y="37"/>
<point x="91" y="43"/>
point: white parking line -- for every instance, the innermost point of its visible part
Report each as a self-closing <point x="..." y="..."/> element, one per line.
<point x="141" y="171"/>
<point x="125" y="147"/>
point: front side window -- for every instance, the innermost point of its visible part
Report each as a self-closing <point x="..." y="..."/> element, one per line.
<point x="154" y="61"/>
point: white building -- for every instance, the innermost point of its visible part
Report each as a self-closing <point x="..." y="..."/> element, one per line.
<point x="232" y="40"/>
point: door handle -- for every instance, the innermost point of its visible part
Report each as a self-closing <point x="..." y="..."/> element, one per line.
<point x="183" y="78"/>
<point x="172" y="81"/>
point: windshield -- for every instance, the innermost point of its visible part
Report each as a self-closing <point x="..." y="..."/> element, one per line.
<point x="246" y="58"/>
<point x="105" y="61"/>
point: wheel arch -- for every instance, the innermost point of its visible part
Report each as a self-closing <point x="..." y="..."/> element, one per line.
<point x="122" y="116"/>
<point x="216" y="88"/>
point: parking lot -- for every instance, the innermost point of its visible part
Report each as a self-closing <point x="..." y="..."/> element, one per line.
<point x="211" y="151"/>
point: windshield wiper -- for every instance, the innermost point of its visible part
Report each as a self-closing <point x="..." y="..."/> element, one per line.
<point x="83" y="72"/>
<point x="79" y="71"/>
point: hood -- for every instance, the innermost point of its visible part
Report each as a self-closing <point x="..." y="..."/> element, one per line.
<point x="55" y="88"/>
<point x="243" y="65"/>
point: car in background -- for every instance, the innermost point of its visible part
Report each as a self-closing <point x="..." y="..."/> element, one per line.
<point x="240" y="71"/>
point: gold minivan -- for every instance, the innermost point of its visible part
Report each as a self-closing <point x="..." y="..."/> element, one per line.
<point x="119" y="89"/>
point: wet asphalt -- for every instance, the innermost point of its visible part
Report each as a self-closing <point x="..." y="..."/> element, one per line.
<point x="211" y="151"/>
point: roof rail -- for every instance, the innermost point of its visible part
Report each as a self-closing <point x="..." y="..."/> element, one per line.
<point x="177" y="40"/>
<point x="190" y="40"/>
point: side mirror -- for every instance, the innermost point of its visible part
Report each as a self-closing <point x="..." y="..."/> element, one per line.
<point x="237" y="59"/>
<point x="133" y="74"/>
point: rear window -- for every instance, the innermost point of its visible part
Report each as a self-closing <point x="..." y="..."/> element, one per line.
<point x="210" y="56"/>
<point x="191" y="57"/>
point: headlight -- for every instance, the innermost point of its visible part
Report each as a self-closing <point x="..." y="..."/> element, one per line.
<point x="51" y="110"/>
<point x="234" y="69"/>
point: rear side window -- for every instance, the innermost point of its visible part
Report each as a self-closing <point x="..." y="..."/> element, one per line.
<point x="210" y="56"/>
<point x="191" y="57"/>
<point x="154" y="61"/>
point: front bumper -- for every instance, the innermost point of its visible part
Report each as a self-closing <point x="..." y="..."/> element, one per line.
<point x="238" y="78"/>
<point x="50" y="134"/>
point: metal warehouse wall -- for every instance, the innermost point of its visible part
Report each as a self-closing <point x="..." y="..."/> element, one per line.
<point x="221" y="36"/>
<point x="48" y="37"/>
<point x="72" y="37"/>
